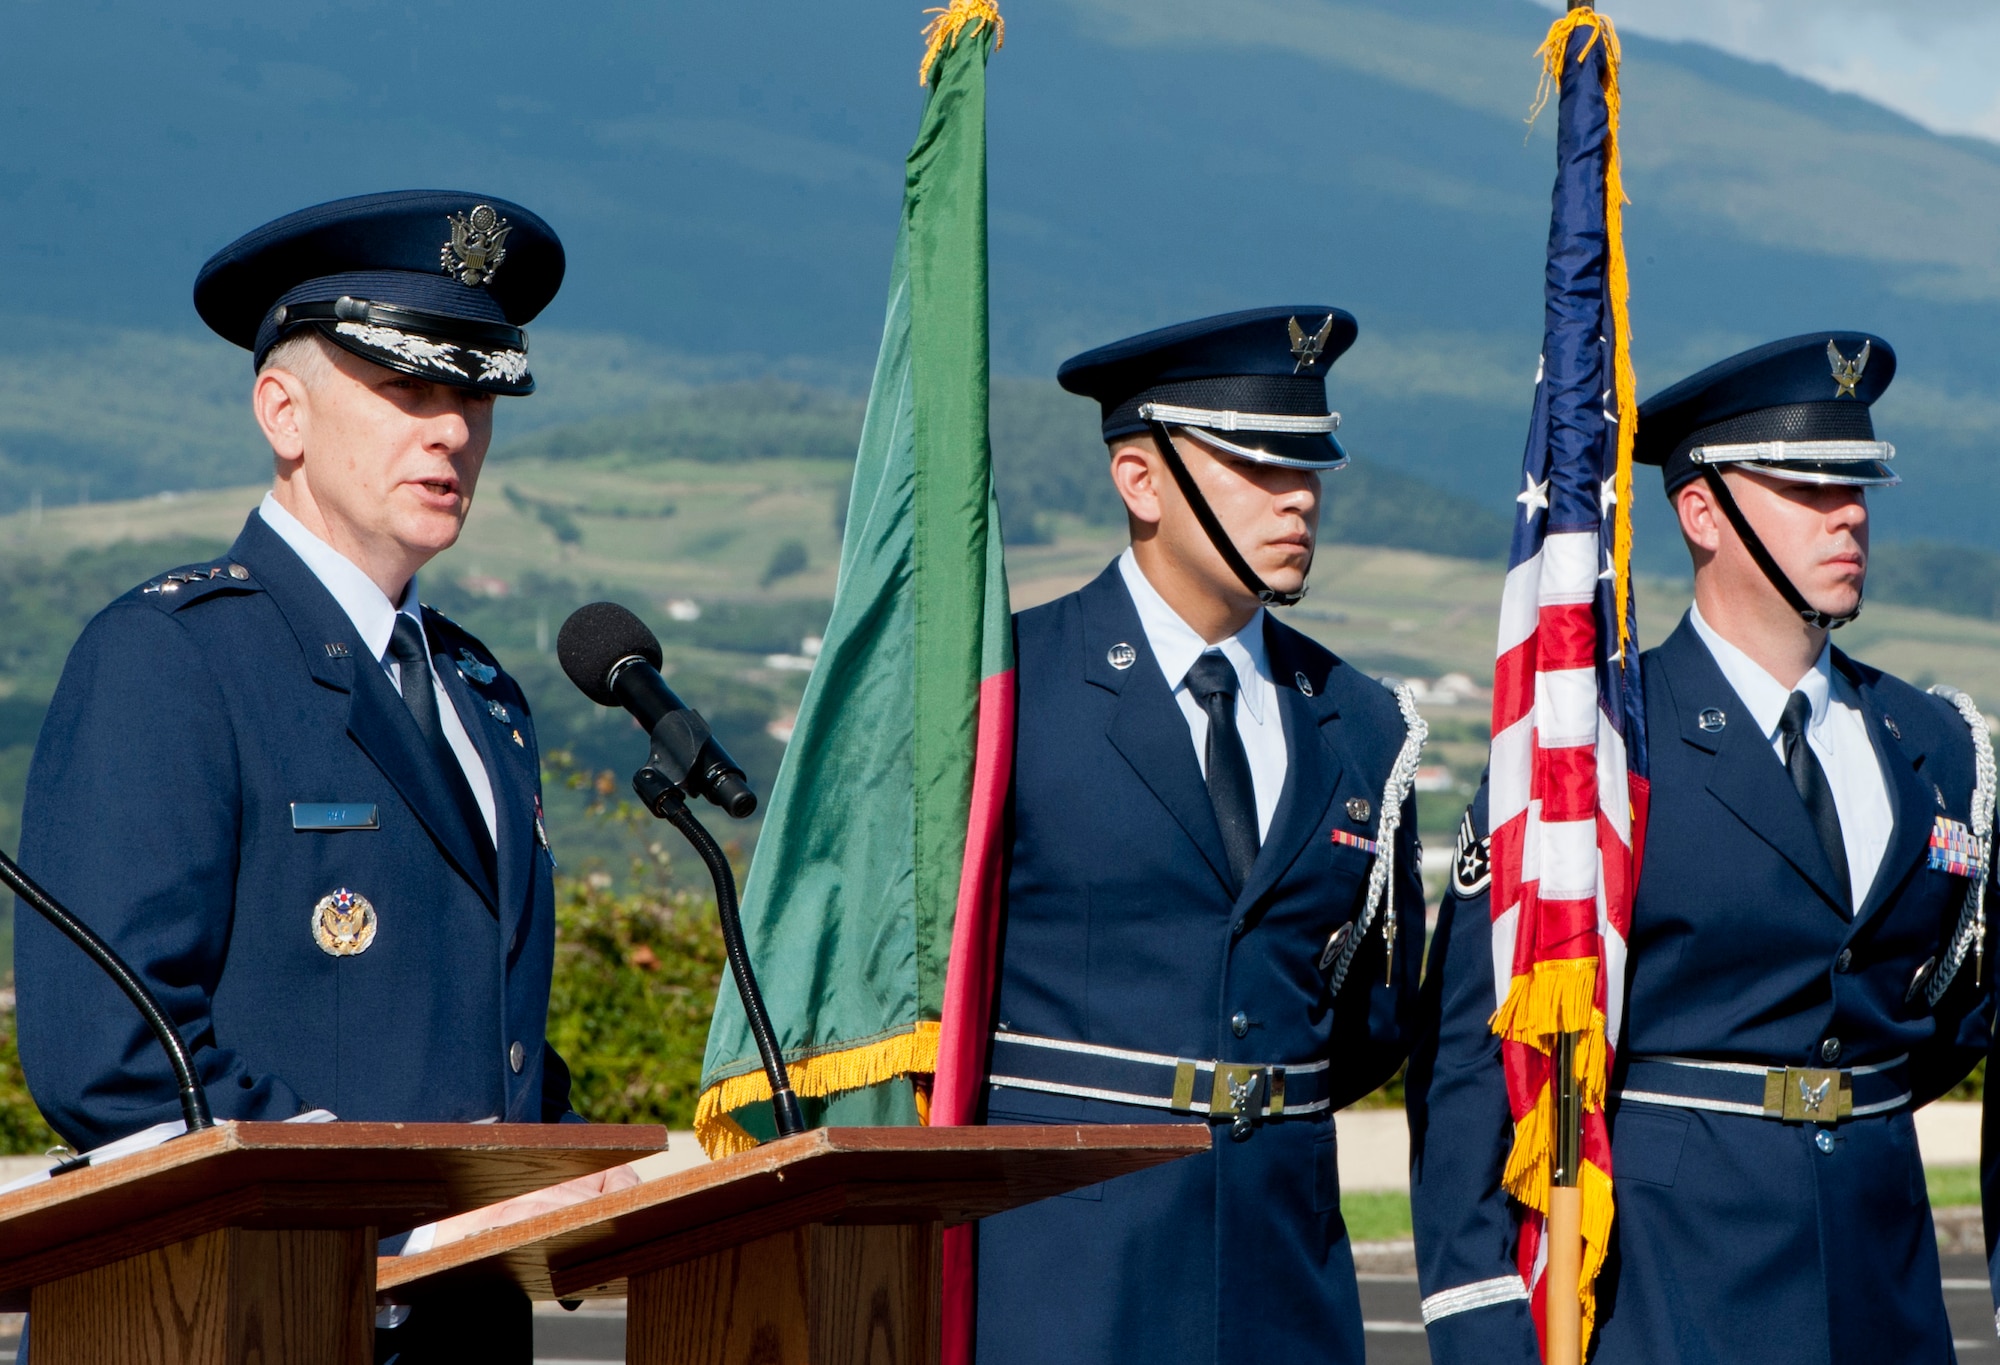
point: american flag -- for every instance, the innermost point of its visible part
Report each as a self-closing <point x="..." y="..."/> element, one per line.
<point x="1566" y="794"/>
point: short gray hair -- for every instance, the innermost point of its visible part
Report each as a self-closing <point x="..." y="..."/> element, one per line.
<point x="305" y="353"/>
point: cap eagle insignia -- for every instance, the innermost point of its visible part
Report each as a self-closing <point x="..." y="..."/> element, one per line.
<point x="477" y="247"/>
<point x="1847" y="373"/>
<point x="1306" y="349"/>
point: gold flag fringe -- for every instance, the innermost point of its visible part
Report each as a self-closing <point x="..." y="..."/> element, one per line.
<point x="813" y="1077"/>
<point x="951" y="21"/>
<point x="1618" y="284"/>
<point x="1559" y="996"/>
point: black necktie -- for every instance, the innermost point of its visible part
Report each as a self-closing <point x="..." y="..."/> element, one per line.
<point x="1212" y="680"/>
<point x="1810" y="779"/>
<point x="407" y="648"/>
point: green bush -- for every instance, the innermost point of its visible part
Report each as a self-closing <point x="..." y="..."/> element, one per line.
<point x="636" y="974"/>
<point x="22" y="1132"/>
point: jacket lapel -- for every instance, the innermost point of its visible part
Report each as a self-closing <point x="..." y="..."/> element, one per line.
<point x="513" y="791"/>
<point x="1746" y="776"/>
<point x="1909" y="799"/>
<point x="1312" y="770"/>
<point x="377" y="719"/>
<point x="1147" y="727"/>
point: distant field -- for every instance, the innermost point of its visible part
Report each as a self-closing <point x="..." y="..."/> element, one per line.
<point x="547" y="535"/>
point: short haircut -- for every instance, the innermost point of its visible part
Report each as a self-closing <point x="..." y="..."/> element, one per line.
<point x="305" y="353"/>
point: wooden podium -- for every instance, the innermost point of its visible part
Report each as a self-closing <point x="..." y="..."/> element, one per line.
<point x="819" y="1249"/>
<point x="256" y="1241"/>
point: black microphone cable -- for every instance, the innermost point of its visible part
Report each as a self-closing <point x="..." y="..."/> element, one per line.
<point x="194" y="1101"/>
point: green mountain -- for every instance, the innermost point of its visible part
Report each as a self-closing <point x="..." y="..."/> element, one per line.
<point x="726" y="177"/>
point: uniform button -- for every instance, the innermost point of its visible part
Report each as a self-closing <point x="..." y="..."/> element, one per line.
<point x="517" y="1057"/>
<point x="1239" y="1024"/>
<point x="1844" y="961"/>
<point x="1829" y="1051"/>
<point x="1823" y="1140"/>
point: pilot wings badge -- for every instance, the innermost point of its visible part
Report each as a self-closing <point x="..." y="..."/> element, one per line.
<point x="477" y="247"/>
<point x="1306" y="349"/>
<point x="1847" y="373"/>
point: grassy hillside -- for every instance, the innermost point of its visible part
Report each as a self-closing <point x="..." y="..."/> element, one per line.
<point x="701" y="539"/>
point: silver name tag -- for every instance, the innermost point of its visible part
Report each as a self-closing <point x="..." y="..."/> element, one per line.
<point x="332" y="815"/>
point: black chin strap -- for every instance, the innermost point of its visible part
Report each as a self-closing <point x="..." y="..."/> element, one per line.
<point x="1793" y="597"/>
<point x="1218" y="537"/>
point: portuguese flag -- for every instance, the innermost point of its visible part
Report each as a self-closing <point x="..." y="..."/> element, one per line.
<point x="872" y="904"/>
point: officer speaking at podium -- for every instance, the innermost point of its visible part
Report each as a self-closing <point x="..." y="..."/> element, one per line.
<point x="304" y="807"/>
<point x="1214" y="910"/>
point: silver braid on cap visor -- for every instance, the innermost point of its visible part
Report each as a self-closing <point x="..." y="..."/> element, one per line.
<point x="1776" y="458"/>
<point x="1206" y="423"/>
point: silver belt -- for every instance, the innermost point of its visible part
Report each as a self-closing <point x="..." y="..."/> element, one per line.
<point x="1242" y="1091"/>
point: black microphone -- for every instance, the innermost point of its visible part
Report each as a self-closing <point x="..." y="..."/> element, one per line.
<point x="615" y="661"/>
<point x="194" y="1100"/>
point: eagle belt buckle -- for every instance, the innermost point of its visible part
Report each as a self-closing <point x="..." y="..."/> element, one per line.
<point x="1802" y="1094"/>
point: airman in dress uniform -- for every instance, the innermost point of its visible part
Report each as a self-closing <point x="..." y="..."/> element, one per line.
<point x="304" y="807"/>
<point x="1801" y="969"/>
<point x="1214" y="907"/>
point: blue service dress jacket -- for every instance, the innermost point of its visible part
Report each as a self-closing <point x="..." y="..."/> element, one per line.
<point x="1125" y="933"/>
<point x="192" y="714"/>
<point x="1736" y="1237"/>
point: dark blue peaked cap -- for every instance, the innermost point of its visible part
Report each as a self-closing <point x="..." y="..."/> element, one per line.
<point x="1795" y="409"/>
<point x="1257" y="377"/>
<point x="434" y="283"/>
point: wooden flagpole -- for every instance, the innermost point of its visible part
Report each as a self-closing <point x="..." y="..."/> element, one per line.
<point x="1562" y="1275"/>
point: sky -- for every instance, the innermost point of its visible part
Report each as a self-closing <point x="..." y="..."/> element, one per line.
<point x="1930" y="60"/>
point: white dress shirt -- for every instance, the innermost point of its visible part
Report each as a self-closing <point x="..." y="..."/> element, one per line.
<point x="374" y="618"/>
<point x="1177" y="645"/>
<point x="1838" y="734"/>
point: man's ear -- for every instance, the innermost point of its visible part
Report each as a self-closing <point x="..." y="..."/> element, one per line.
<point x="1700" y="517"/>
<point x="1135" y="465"/>
<point x="283" y="412"/>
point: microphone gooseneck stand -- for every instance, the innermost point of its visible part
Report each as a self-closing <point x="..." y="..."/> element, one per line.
<point x="194" y="1102"/>
<point x="661" y="795"/>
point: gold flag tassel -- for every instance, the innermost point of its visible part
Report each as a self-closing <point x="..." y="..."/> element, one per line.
<point x="951" y="21"/>
<point x="910" y="1053"/>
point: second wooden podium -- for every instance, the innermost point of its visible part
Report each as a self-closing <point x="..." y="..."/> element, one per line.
<point x="819" y="1249"/>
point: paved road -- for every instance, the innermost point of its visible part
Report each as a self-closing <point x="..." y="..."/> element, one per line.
<point x="1388" y="1305"/>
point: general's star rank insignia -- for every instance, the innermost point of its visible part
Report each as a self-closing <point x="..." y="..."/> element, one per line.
<point x="1472" y="864"/>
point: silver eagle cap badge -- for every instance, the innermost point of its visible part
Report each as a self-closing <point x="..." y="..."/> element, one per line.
<point x="477" y="247"/>
<point x="1847" y="373"/>
<point x="1306" y="349"/>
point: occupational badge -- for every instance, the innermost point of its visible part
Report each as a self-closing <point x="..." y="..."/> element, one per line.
<point x="1847" y="373"/>
<point x="1472" y="864"/>
<point x="343" y="923"/>
<point x="497" y="711"/>
<point x="1358" y="808"/>
<point x="473" y="670"/>
<point x="1306" y="349"/>
<point x="477" y="247"/>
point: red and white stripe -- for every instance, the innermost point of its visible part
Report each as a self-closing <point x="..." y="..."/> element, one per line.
<point x="1559" y="809"/>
